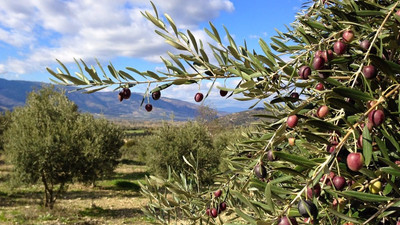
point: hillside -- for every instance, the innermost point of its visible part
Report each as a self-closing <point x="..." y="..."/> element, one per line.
<point x="243" y="118"/>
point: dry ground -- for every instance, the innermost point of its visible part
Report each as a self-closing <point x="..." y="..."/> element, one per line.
<point x="115" y="200"/>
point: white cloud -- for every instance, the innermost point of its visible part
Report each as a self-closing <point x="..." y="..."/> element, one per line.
<point x="48" y="29"/>
<point x="2" y="69"/>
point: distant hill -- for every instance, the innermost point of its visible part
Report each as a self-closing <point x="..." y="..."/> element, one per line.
<point x="243" y="118"/>
<point x="13" y="93"/>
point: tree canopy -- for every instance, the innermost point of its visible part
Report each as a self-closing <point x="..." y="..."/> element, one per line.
<point x="48" y="140"/>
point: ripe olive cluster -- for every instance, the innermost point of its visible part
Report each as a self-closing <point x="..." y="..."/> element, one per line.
<point x="353" y="160"/>
<point x="217" y="206"/>
<point x="125" y="93"/>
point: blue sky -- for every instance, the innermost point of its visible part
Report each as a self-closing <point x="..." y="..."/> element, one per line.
<point x="34" y="33"/>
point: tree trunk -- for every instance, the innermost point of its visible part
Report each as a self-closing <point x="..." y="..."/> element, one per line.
<point x="46" y="191"/>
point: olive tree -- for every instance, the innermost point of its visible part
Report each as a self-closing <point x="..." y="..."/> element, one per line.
<point x="48" y="140"/>
<point x="41" y="141"/>
<point x="101" y="142"/>
<point x="4" y="121"/>
<point x="169" y="144"/>
<point x="330" y="149"/>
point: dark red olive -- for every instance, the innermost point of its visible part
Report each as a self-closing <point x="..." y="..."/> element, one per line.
<point x="355" y="161"/>
<point x="331" y="147"/>
<point x="369" y="72"/>
<point x="304" y="72"/>
<point x="322" y="111"/>
<point x="376" y="117"/>
<point x="218" y="193"/>
<point x="360" y="141"/>
<point x="339" y="47"/>
<point x="292" y="121"/>
<point x="287" y="221"/>
<point x="315" y="191"/>
<point x="271" y="156"/>
<point x="260" y="171"/>
<point x="208" y="212"/>
<point x="121" y="96"/>
<point x="127" y="93"/>
<point x="198" y="97"/>
<point x="318" y="63"/>
<point x="214" y="212"/>
<point x="327" y="55"/>
<point x="148" y="107"/>
<point x="223" y="93"/>
<point x="156" y="95"/>
<point x="320" y="87"/>
<point x="307" y="208"/>
<point x="222" y="206"/>
<point x="348" y="36"/>
<point x="339" y="182"/>
<point x="329" y="178"/>
<point x="295" y="95"/>
<point x="365" y="44"/>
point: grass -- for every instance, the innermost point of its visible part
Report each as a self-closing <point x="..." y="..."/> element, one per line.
<point x="115" y="200"/>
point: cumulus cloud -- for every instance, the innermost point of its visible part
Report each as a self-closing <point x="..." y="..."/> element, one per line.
<point x="47" y="29"/>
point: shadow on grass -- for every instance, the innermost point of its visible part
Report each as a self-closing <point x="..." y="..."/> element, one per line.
<point x="123" y="185"/>
<point x="130" y="176"/>
<point x="97" y="194"/>
<point x="20" y="198"/>
<point x="3" y="179"/>
<point x="114" y="213"/>
<point x="131" y="162"/>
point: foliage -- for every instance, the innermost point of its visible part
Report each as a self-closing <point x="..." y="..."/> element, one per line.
<point x="101" y="142"/>
<point x="351" y="93"/>
<point x="169" y="144"/>
<point x="4" y="122"/>
<point x="48" y="140"/>
<point x="41" y="141"/>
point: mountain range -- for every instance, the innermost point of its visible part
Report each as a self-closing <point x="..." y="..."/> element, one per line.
<point x="13" y="93"/>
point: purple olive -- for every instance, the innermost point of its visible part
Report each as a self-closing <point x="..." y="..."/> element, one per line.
<point x="376" y="117"/>
<point x="369" y="72"/>
<point x="304" y="72"/>
<point x="318" y="63"/>
<point x="339" y="47"/>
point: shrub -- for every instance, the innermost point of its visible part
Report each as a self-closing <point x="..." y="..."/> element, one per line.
<point x="4" y="122"/>
<point x="49" y="141"/>
<point x="101" y="142"/>
<point x="170" y="144"/>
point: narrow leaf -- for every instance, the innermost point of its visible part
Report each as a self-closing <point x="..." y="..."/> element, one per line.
<point x="269" y="198"/>
<point x="245" y="216"/>
<point x="367" y="197"/>
<point x="352" y="93"/>
<point x="245" y="201"/>
<point x="367" y="145"/>
<point x="298" y="160"/>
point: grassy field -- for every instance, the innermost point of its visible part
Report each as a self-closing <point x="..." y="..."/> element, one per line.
<point x="115" y="200"/>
